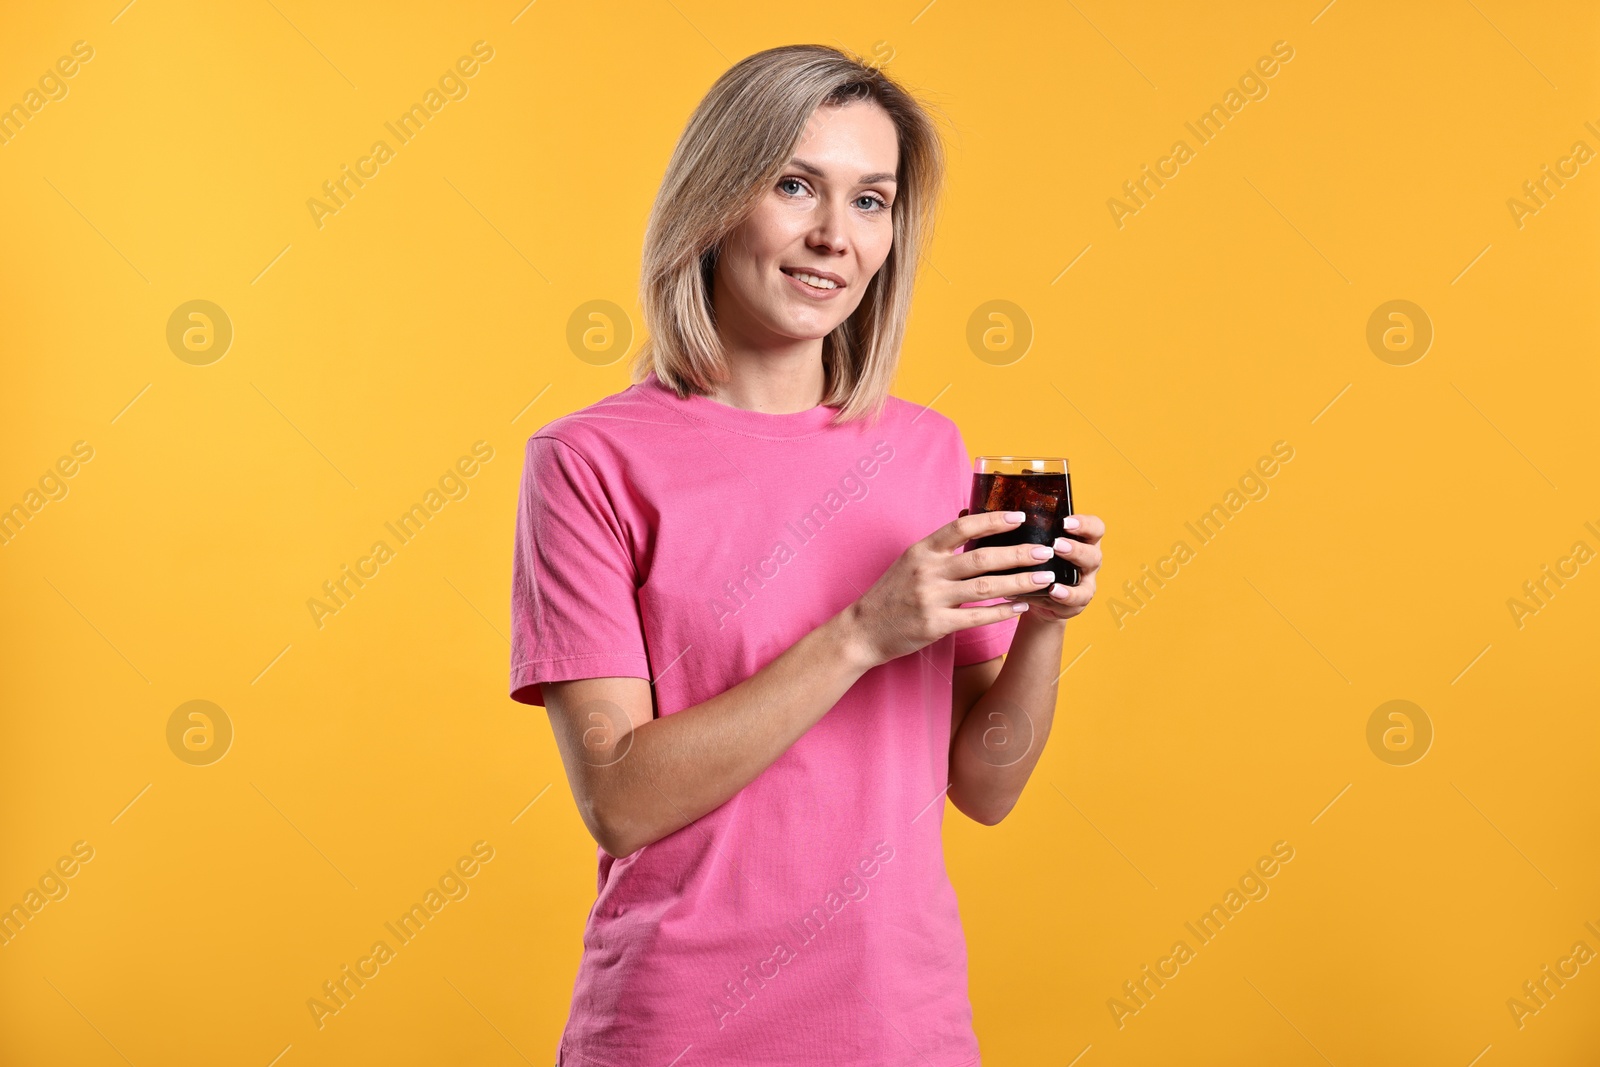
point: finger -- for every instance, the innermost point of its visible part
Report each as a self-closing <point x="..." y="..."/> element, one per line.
<point x="967" y="618"/>
<point x="1073" y="596"/>
<point x="952" y="535"/>
<point x="1088" y="528"/>
<point x="989" y="586"/>
<point x="1085" y="556"/>
<point x="1045" y="609"/>
<point x="997" y="558"/>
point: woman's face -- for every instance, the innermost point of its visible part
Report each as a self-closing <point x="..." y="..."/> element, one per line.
<point x="828" y="216"/>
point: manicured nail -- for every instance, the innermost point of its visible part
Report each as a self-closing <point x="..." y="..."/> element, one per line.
<point x="1041" y="552"/>
<point x="1059" y="592"/>
<point x="1015" y="516"/>
<point x="1064" y="545"/>
<point x="1041" y="577"/>
<point x="1070" y="522"/>
<point x="1018" y="608"/>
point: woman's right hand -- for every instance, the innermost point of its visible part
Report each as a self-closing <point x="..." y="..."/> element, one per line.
<point x="916" y="601"/>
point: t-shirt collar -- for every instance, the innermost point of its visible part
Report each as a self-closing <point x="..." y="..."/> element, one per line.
<point x="755" y="423"/>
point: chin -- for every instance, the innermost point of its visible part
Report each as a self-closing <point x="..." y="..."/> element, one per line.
<point x="808" y="332"/>
<point x="802" y="328"/>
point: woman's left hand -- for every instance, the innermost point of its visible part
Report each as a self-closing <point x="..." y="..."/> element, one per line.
<point x="1080" y="547"/>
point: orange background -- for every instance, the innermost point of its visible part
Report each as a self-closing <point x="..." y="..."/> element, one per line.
<point x="1167" y="355"/>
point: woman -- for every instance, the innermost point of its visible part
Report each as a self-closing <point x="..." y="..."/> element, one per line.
<point x="760" y="693"/>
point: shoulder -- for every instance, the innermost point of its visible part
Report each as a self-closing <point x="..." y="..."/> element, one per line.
<point x="921" y="423"/>
<point x="598" y="433"/>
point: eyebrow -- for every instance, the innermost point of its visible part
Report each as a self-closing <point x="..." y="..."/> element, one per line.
<point x="866" y="179"/>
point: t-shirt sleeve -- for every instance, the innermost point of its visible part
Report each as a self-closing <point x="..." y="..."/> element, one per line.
<point x="574" y="587"/>
<point x="977" y="643"/>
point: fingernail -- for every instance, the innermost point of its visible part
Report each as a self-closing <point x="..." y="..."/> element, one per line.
<point x="1019" y="607"/>
<point x="1070" y="522"/>
<point x="1041" y="552"/>
<point x="1015" y="516"/>
<point x="1041" y="577"/>
<point x="1058" y="591"/>
<point x="1064" y="545"/>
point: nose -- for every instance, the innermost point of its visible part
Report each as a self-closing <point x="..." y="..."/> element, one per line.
<point x="828" y="228"/>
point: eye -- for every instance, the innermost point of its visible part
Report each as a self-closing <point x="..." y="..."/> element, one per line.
<point x="875" y="203"/>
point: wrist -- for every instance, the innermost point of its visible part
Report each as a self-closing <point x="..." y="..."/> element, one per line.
<point x="848" y="639"/>
<point x="1035" y="619"/>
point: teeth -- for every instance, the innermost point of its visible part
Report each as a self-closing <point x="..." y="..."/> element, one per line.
<point x="813" y="281"/>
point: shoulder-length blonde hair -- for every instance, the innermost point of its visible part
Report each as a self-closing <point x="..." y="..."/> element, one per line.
<point x="734" y="147"/>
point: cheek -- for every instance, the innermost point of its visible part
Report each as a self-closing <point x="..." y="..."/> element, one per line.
<point x="739" y="268"/>
<point x="876" y="247"/>
<point x="773" y="227"/>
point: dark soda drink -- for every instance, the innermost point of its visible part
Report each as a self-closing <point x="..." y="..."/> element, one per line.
<point x="1045" y="497"/>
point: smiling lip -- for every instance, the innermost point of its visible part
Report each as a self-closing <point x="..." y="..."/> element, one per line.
<point x="832" y="277"/>
<point x="807" y="291"/>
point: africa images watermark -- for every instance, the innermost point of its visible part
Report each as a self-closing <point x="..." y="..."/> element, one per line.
<point x="1252" y="886"/>
<point x="52" y="87"/>
<point x="1538" y="992"/>
<point x="1538" y="192"/>
<point x="452" y="886"/>
<point x="52" y="887"/>
<point x="1252" y="486"/>
<point x="52" y="487"/>
<point x="738" y="592"/>
<point x="736" y="994"/>
<point x="1252" y="86"/>
<point x="452" y="486"/>
<point x="1538" y="592"/>
<point x="452" y="86"/>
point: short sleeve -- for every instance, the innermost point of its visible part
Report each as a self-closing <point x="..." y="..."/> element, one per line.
<point x="976" y="643"/>
<point x="574" y="587"/>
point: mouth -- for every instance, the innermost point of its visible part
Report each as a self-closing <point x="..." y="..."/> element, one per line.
<point x="823" y="281"/>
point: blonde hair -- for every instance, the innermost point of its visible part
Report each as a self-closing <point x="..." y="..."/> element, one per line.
<point x="734" y="147"/>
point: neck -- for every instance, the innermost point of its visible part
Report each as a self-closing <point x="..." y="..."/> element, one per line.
<point x="775" y="383"/>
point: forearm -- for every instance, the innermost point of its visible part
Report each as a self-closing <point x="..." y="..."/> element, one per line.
<point x="1002" y="737"/>
<point x="672" y="770"/>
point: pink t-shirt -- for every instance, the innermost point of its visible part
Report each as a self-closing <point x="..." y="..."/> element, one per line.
<point x="809" y="920"/>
